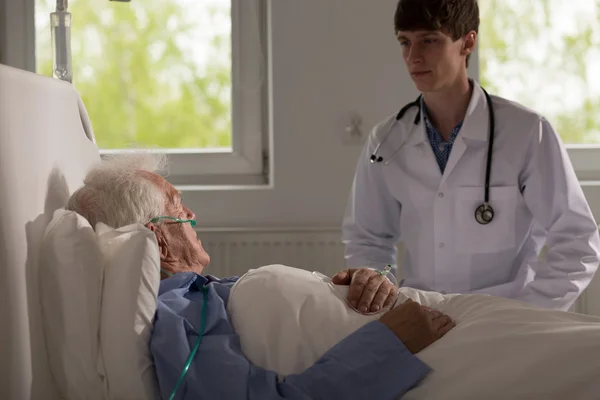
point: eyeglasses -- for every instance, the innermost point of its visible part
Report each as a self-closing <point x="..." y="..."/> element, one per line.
<point x="191" y="221"/>
<point x="183" y="221"/>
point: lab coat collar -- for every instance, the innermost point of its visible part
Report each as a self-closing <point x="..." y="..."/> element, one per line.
<point x="474" y="130"/>
<point x="475" y="125"/>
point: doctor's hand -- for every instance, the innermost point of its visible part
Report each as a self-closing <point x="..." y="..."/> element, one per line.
<point x="415" y="325"/>
<point x="369" y="291"/>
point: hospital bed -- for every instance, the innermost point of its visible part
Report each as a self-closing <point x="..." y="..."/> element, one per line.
<point x="61" y="336"/>
<point x="76" y="302"/>
<point x="46" y="146"/>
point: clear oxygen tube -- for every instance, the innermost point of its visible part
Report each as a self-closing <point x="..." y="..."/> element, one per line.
<point x="60" y="25"/>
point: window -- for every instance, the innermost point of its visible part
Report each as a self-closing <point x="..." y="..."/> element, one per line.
<point x="185" y="77"/>
<point x="546" y="55"/>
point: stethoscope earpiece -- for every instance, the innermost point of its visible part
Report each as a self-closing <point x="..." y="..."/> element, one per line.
<point x="374" y="158"/>
<point x="417" y="103"/>
<point x="484" y="214"/>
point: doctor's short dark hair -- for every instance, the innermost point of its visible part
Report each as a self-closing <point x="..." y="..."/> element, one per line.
<point x="455" y="18"/>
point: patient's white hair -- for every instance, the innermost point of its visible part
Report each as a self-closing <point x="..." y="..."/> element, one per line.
<point x="117" y="194"/>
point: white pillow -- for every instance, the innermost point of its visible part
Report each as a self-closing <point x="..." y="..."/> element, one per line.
<point x="131" y="281"/>
<point x="70" y="287"/>
<point x="287" y="318"/>
<point x="303" y="317"/>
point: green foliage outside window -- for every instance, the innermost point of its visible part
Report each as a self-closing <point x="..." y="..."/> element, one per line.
<point x="144" y="84"/>
<point x="545" y="54"/>
<point x="141" y="77"/>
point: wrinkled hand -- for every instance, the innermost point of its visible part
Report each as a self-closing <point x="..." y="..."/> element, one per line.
<point x="417" y="326"/>
<point x="369" y="291"/>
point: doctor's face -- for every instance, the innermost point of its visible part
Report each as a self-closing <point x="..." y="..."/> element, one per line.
<point x="434" y="61"/>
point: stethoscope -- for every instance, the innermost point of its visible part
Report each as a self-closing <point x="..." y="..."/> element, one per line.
<point x="484" y="214"/>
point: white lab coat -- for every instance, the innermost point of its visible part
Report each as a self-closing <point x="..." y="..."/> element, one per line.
<point x="534" y="192"/>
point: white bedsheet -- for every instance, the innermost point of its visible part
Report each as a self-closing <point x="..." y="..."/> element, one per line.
<point x="500" y="349"/>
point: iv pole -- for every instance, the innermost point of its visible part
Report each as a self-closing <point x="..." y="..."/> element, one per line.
<point x="60" y="26"/>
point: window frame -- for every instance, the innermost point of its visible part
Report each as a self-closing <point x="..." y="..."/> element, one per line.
<point x="586" y="161"/>
<point x="247" y="161"/>
<point x="584" y="157"/>
<point x="250" y="163"/>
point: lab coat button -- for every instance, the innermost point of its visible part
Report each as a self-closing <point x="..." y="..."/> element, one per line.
<point x="440" y="195"/>
<point x="441" y="245"/>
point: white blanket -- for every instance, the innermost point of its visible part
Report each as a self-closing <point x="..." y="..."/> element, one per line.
<point x="500" y="349"/>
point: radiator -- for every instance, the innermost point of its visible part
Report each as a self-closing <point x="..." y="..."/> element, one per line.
<point x="234" y="251"/>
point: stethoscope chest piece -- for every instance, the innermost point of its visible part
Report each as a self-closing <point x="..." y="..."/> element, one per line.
<point x="484" y="214"/>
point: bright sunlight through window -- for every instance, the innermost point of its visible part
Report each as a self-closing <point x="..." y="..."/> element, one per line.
<point x="153" y="73"/>
<point x="545" y="54"/>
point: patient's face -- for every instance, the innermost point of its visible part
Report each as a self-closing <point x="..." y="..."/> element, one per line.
<point x="180" y="248"/>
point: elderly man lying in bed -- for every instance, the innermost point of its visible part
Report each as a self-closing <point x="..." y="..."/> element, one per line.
<point x="280" y="332"/>
<point x="375" y="361"/>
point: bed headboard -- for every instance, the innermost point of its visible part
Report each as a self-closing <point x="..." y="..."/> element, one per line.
<point x="45" y="151"/>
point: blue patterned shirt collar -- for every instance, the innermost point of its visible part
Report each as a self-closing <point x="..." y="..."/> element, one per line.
<point x="441" y="148"/>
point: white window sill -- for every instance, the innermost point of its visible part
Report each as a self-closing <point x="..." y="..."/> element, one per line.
<point x="586" y="162"/>
<point x="251" y="184"/>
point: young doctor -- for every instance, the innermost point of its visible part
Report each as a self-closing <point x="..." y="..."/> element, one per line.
<point x="473" y="184"/>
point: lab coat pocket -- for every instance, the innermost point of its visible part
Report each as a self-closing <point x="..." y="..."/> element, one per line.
<point x="498" y="235"/>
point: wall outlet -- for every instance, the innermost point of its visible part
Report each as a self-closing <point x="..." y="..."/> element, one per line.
<point x="353" y="131"/>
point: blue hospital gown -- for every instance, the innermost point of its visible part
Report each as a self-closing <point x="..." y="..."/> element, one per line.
<point x="371" y="363"/>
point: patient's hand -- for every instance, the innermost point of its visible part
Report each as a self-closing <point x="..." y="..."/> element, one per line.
<point x="416" y="326"/>
<point x="369" y="291"/>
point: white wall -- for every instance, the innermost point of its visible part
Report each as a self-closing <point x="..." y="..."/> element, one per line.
<point x="330" y="58"/>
